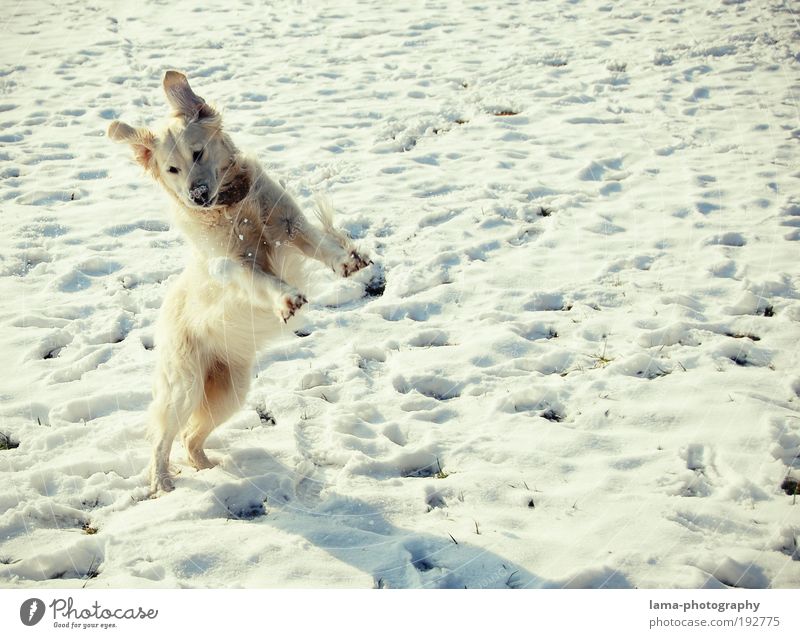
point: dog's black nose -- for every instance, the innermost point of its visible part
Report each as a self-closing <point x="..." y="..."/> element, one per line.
<point x="199" y="194"/>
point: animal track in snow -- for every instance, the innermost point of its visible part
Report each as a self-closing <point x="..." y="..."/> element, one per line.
<point x="149" y="225"/>
<point x="439" y="416"/>
<point x="606" y="170"/>
<point x="43" y="227"/>
<point x="95" y="174"/>
<point x="64" y="556"/>
<point x="434" y="498"/>
<point x="728" y="239"/>
<point x="97" y="267"/>
<point x="413" y="310"/>
<point x="743" y="353"/>
<point x="430" y="338"/>
<point x="531" y="404"/>
<point x="26" y="261"/>
<point x="792" y="210"/>
<point x="51" y="345"/>
<point x="88" y="359"/>
<point x="99" y="405"/>
<point x="641" y="365"/>
<point x="534" y="331"/>
<point x="749" y="303"/>
<point x="433" y="386"/>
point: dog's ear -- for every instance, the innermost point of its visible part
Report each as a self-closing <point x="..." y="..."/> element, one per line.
<point x="142" y="141"/>
<point x="185" y="101"/>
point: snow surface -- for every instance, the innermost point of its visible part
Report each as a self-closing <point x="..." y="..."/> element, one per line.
<point x="583" y="371"/>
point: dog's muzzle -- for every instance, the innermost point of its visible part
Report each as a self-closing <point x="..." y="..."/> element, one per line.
<point x="200" y="194"/>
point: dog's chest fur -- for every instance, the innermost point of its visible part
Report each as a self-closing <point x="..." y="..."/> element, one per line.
<point x="254" y="224"/>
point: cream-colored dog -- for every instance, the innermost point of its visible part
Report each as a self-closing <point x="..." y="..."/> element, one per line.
<point x="246" y="233"/>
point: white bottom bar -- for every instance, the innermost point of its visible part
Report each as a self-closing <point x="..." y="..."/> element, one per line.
<point x="400" y="613"/>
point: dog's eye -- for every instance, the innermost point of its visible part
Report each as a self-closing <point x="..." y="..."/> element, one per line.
<point x="172" y="169"/>
<point x="197" y="155"/>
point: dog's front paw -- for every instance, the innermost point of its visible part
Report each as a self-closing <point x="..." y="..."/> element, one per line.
<point x="353" y="263"/>
<point x="288" y="304"/>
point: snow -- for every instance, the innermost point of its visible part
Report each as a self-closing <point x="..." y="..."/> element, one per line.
<point x="582" y="372"/>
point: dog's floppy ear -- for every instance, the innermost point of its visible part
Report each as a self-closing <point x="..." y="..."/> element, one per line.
<point x="142" y="141"/>
<point x="185" y="101"/>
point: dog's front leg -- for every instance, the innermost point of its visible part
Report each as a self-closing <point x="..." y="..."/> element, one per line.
<point x="285" y="223"/>
<point x="329" y="245"/>
<point x="286" y="300"/>
<point x="261" y="287"/>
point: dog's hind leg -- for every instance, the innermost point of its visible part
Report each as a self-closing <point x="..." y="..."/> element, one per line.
<point x="224" y="389"/>
<point x="177" y="392"/>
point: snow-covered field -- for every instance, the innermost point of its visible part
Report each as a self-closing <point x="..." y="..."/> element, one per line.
<point x="583" y="371"/>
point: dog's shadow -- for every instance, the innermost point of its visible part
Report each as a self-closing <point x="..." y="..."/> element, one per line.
<point x="267" y="493"/>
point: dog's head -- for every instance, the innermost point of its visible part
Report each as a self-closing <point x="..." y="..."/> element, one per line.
<point x="192" y="155"/>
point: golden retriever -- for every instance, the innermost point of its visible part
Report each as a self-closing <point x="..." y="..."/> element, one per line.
<point x="246" y="234"/>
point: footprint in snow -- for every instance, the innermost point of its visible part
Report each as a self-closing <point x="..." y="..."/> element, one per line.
<point x="413" y="310"/>
<point x="433" y="386"/>
<point x="149" y="225"/>
<point x="792" y="211"/>
<point x="530" y="403"/>
<point x="429" y="339"/>
<point x="26" y="261"/>
<point x="732" y="239"/>
<point x="534" y="331"/>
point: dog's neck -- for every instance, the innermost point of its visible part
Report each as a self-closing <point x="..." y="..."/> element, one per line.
<point x="235" y="190"/>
